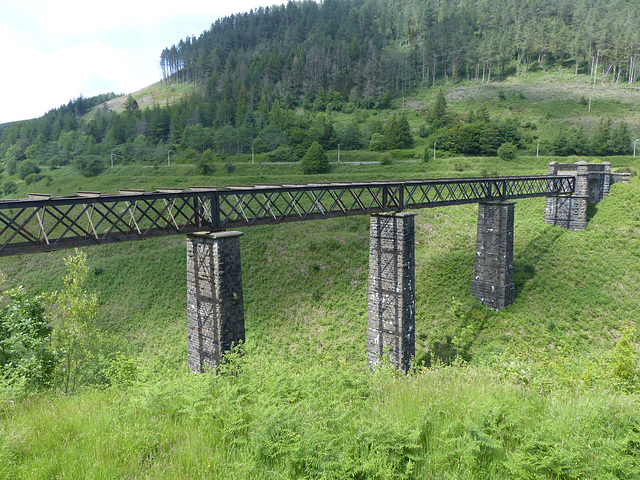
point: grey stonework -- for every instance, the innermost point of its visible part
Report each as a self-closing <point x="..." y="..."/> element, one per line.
<point x="215" y="309"/>
<point x="593" y="183"/>
<point x="567" y="212"/>
<point x="493" y="279"/>
<point x="391" y="304"/>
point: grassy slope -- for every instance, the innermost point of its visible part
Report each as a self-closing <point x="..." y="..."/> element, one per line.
<point x="538" y="400"/>
<point x="533" y="405"/>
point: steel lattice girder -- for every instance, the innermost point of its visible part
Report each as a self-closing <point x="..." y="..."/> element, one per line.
<point x="43" y="223"/>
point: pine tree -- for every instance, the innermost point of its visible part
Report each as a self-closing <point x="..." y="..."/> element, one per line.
<point x="438" y="113"/>
<point x="315" y="160"/>
<point x="620" y="140"/>
<point x="130" y="105"/>
<point x="398" y="133"/>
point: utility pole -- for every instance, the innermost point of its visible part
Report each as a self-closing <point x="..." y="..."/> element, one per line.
<point x="338" y="153"/>
<point x="434" y="150"/>
<point x="168" y="159"/>
<point x="111" y="159"/>
<point x="634" y="146"/>
<point x="538" y="149"/>
<point x="253" y="156"/>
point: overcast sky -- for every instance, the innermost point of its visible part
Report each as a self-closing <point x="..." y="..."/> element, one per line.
<point x="56" y="50"/>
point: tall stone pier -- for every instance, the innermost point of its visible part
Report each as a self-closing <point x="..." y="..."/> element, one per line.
<point x="215" y="309"/>
<point x="391" y="306"/>
<point x="493" y="279"/>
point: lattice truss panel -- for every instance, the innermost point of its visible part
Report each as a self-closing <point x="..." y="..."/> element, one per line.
<point x="245" y="206"/>
<point x="42" y="223"/>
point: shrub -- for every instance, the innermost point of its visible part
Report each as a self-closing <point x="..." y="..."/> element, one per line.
<point x="625" y="358"/>
<point x="203" y="167"/>
<point x="25" y="354"/>
<point x="315" y="160"/>
<point x="631" y="171"/>
<point x="403" y="154"/>
<point x="507" y="151"/>
<point x="36" y="177"/>
<point x="378" y="143"/>
<point x="9" y="187"/>
<point x="27" y="167"/>
<point x="89" y="165"/>
<point x="386" y="159"/>
<point x="282" y="154"/>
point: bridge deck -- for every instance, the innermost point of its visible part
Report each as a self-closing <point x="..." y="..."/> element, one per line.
<point x="44" y="223"/>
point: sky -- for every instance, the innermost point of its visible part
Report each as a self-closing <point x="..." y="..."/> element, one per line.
<point x="55" y="51"/>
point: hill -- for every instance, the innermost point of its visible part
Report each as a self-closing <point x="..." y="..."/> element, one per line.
<point x="276" y="79"/>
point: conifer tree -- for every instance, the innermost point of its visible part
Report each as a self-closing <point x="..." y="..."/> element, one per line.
<point x="438" y="113"/>
<point x="315" y="160"/>
<point x="130" y="105"/>
<point x="399" y="133"/>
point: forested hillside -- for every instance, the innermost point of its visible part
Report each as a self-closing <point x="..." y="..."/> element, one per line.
<point x="365" y="48"/>
<point x="274" y="80"/>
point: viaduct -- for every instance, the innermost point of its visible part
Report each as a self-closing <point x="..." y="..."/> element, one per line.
<point x="214" y="278"/>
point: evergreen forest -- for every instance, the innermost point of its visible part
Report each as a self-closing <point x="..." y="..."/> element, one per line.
<point x="274" y="80"/>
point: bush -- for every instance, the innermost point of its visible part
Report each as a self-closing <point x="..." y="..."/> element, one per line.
<point x="507" y="151"/>
<point x="203" y="167"/>
<point x="282" y="154"/>
<point x="386" y="159"/>
<point x="403" y="154"/>
<point x="25" y="353"/>
<point x="36" y="177"/>
<point x="27" y="167"/>
<point x="315" y="160"/>
<point x="9" y="187"/>
<point x="89" y="165"/>
<point x="378" y="143"/>
<point x="631" y="171"/>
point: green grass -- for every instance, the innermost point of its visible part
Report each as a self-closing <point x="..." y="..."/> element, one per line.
<point x="527" y="392"/>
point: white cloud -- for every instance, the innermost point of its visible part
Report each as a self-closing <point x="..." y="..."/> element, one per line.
<point x="59" y="50"/>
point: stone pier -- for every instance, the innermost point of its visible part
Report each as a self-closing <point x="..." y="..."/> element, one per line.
<point x="391" y="306"/>
<point x="493" y="279"/>
<point x="215" y="309"/>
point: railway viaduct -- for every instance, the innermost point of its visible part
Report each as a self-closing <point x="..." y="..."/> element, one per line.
<point x="208" y="217"/>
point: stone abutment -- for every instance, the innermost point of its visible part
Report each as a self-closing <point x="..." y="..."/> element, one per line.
<point x="593" y="183"/>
